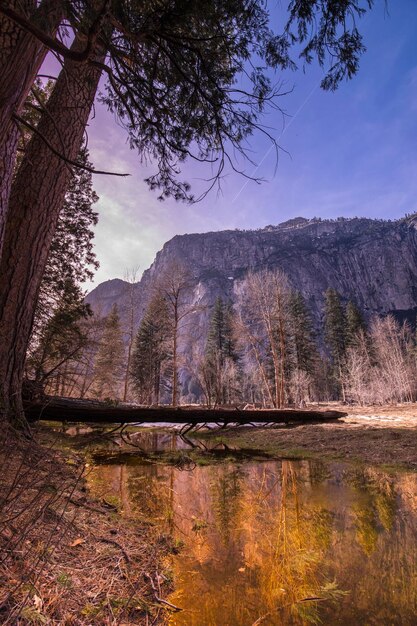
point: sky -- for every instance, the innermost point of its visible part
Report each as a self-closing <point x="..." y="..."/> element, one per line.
<point x="348" y="153"/>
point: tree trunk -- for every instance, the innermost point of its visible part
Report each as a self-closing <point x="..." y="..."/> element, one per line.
<point x="73" y="410"/>
<point x="174" y="362"/>
<point x="35" y="202"/>
<point x="21" y="56"/>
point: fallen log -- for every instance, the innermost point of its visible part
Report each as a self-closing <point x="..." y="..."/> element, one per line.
<point x="92" y="411"/>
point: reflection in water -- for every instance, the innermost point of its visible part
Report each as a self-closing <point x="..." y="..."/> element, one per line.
<point x="291" y="542"/>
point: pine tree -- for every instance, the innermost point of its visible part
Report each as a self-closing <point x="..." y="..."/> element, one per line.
<point x="150" y="352"/>
<point x="109" y="362"/>
<point x="220" y="355"/>
<point x="230" y="349"/>
<point x="62" y="339"/>
<point x="335" y="335"/>
<point x="216" y="339"/>
<point x="302" y="335"/>
<point x="335" y="326"/>
<point x="354" y="324"/>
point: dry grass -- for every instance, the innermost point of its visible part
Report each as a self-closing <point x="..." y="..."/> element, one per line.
<point x="377" y="435"/>
<point x="66" y="559"/>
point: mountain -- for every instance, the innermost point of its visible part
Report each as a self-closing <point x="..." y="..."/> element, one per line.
<point x="372" y="262"/>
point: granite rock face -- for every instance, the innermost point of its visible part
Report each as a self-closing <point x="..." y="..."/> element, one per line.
<point x="372" y="262"/>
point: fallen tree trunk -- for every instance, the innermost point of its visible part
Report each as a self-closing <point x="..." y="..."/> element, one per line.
<point x="92" y="411"/>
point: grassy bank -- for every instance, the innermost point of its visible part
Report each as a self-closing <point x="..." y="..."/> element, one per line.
<point x="376" y="436"/>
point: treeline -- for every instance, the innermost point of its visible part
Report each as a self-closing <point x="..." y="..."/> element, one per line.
<point x="263" y="349"/>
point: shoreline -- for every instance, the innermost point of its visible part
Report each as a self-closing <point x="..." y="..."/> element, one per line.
<point x="385" y="436"/>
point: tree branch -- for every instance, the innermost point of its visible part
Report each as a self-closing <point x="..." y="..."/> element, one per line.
<point x="19" y="119"/>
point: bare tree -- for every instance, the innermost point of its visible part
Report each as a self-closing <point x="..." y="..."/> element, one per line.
<point x="174" y="287"/>
<point x="391" y="347"/>
<point x="380" y="368"/>
<point x="263" y="322"/>
<point x="358" y="375"/>
<point x="131" y="278"/>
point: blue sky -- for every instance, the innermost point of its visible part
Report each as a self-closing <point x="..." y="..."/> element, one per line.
<point x="349" y="153"/>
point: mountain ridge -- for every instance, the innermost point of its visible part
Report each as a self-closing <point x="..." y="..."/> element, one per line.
<point x="356" y="256"/>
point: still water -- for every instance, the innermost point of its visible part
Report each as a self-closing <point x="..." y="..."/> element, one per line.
<point x="277" y="542"/>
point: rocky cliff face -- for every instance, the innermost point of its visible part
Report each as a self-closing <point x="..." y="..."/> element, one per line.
<point x="372" y="262"/>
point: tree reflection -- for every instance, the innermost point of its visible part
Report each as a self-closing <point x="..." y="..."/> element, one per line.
<point x="263" y="539"/>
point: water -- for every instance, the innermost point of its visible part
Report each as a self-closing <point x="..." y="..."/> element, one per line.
<point x="276" y="542"/>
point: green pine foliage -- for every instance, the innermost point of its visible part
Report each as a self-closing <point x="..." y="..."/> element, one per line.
<point x="220" y="339"/>
<point x="71" y="258"/>
<point x="62" y="338"/>
<point x="221" y="357"/>
<point x="302" y="335"/>
<point x="151" y="354"/>
<point x="354" y="324"/>
<point x="335" y="326"/>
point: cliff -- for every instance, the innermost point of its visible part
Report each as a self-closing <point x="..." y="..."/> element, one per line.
<point x="372" y="262"/>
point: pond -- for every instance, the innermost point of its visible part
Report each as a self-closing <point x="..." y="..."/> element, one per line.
<point x="283" y="542"/>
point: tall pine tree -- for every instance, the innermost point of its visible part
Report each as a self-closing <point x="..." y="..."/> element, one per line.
<point x="220" y="355"/>
<point x="302" y="335"/>
<point x="335" y="326"/>
<point x="151" y="353"/>
<point x="335" y="335"/>
<point x="354" y="324"/>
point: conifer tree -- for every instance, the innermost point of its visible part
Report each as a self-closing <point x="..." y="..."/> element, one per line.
<point x="220" y="355"/>
<point x="335" y="333"/>
<point x="109" y="362"/>
<point x="302" y="334"/>
<point x="354" y="323"/>
<point x="150" y="352"/>
<point x="335" y="325"/>
<point x="62" y="339"/>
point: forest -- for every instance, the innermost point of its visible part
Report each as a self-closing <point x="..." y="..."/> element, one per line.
<point x="261" y="350"/>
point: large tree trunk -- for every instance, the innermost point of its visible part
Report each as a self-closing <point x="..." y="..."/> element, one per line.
<point x="35" y="202"/>
<point x="21" y="56"/>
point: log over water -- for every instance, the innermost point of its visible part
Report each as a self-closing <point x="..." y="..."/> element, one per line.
<point x="92" y="411"/>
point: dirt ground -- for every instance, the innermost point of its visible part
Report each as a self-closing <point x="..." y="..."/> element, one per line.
<point x="66" y="558"/>
<point x="384" y="435"/>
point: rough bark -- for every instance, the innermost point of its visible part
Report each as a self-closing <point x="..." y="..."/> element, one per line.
<point x="21" y="56"/>
<point x="70" y="409"/>
<point x="35" y="202"/>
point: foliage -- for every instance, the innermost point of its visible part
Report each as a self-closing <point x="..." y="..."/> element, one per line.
<point x="354" y="323"/>
<point x="335" y="326"/>
<point x="302" y="334"/>
<point x="192" y="79"/>
<point x="219" y="371"/>
<point x="150" y="352"/>
<point x="62" y="338"/>
<point x="71" y="259"/>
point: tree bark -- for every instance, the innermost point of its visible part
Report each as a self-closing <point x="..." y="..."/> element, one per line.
<point x="35" y="202"/>
<point x="71" y="409"/>
<point x="175" y="358"/>
<point x="21" y="56"/>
